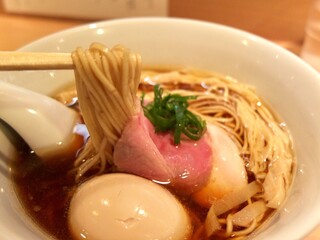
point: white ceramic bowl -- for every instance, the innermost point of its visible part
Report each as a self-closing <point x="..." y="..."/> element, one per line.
<point x="290" y="86"/>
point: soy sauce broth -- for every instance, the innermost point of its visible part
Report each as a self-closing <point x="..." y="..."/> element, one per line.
<point x="44" y="192"/>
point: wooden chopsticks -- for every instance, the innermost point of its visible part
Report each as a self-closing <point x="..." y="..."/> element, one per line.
<point x="13" y="61"/>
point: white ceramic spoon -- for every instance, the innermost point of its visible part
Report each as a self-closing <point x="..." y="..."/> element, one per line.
<point x="44" y="123"/>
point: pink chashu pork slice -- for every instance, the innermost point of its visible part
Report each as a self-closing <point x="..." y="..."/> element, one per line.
<point x="141" y="151"/>
<point x="210" y="167"/>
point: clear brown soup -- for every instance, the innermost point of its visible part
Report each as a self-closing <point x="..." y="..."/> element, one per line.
<point x="45" y="193"/>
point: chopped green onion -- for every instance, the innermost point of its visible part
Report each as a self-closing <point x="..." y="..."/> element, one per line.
<point x="170" y="113"/>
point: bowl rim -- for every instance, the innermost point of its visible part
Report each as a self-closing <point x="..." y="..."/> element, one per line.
<point x="103" y="23"/>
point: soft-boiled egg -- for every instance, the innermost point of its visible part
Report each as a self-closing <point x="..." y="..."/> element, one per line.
<point x="123" y="206"/>
<point x="228" y="172"/>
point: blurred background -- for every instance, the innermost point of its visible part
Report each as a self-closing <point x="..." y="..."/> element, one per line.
<point x="285" y="22"/>
<point x="282" y="21"/>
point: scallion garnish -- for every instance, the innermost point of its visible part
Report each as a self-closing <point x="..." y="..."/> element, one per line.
<point x="170" y="113"/>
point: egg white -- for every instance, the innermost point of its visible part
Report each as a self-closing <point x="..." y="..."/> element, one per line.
<point x="123" y="206"/>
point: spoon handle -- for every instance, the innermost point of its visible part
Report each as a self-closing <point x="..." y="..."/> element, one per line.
<point x="13" y="61"/>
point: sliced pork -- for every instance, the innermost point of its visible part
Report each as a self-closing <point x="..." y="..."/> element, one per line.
<point x="143" y="152"/>
<point x="209" y="167"/>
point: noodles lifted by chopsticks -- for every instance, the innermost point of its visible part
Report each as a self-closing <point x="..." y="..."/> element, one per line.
<point x="107" y="81"/>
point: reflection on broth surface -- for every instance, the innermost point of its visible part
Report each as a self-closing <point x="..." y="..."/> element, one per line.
<point x="230" y="180"/>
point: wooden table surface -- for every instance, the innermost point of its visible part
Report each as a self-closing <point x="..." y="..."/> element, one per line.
<point x="17" y="30"/>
